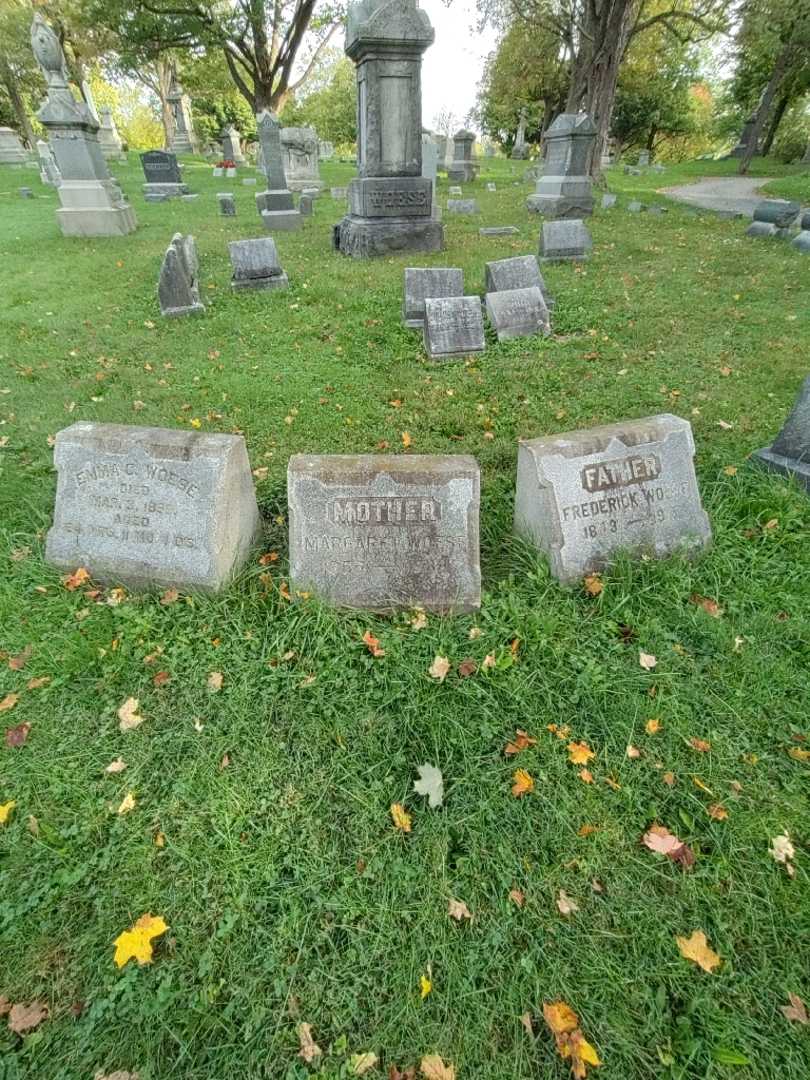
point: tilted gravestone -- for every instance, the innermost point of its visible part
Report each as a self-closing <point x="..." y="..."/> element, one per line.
<point x="383" y="532"/>
<point x="48" y="169"/>
<point x="790" y="452"/>
<point x="424" y="282"/>
<point x="152" y="507"/>
<point x="565" y="189"/>
<point x="584" y="496"/>
<point x="256" y="265"/>
<point x="453" y="327"/>
<point x="517" y="313"/>
<point x="462" y="206"/>
<point x="563" y="240"/>
<point x="519" y="272"/>
<point x="276" y="205"/>
<point x="162" y="174"/>
<point x="178" y="285"/>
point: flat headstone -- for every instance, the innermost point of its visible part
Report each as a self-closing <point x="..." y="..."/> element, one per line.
<point x="386" y="531"/>
<point x="454" y="326"/>
<point x="26" y="193"/>
<point x="227" y="204"/>
<point x="455" y="190"/>
<point x="790" y="452"/>
<point x="152" y="507"/>
<point x="517" y="313"/>
<point x="492" y="187"/>
<point x="499" y="230"/>
<point x="190" y="198"/>
<point x="778" y="212"/>
<point x="423" y="282"/>
<point x="155" y="197"/>
<point x="519" y="272"/>
<point x="608" y="200"/>
<point x="281" y="220"/>
<point x="256" y="264"/>
<point x="584" y="496"/>
<point x="462" y="206"/>
<point x="565" y="239"/>
<point x="249" y="181"/>
<point x="178" y="285"/>
<point x="635" y="207"/>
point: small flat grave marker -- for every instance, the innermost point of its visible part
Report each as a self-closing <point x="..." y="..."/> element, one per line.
<point x="454" y="326"/>
<point x="499" y="230"/>
<point x="462" y="206"/>
<point x="565" y="239"/>
<point x="518" y="313"/>
<point x="256" y="264"/>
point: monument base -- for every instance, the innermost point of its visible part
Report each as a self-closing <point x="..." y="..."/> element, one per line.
<point x="281" y="220"/>
<point x="94" y="208"/>
<point x="789" y="467"/>
<point x="171" y="191"/>
<point x="280" y="199"/>
<point x="181" y="144"/>
<point x="562" y="197"/>
<point x="363" y="237"/>
<point x="305" y="185"/>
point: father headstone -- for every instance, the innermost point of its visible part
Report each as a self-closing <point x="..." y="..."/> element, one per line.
<point x="562" y="240"/>
<point x="429" y="281"/>
<point x="162" y="174"/>
<point x="12" y="151"/>
<point x="790" y="452"/>
<point x="517" y="313"/>
<point x="178" y="285"/>
<point x="463" y="167"/>
<point x="152" y="507"/>
<point x="390" y="202"/>
<point x="583" y="496"/>
<point x="564" y="190"/>
<point x="453" y="327"/>
<point x="255" y="264"/>
<point x="275" y="205"/>
<point x="300" y="148"/>
<point x="386" y="531"/>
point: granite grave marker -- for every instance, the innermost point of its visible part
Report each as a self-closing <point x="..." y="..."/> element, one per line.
<point x="256" y="264"/>
<point x="178" y="285"/>
<point x="564" y="239"/>
<point x="453" y="327"/>
<point x="424" y="282"/>
<point x="517" y="313"/>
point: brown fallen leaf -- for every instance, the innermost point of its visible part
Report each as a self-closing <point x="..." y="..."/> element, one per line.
<point x="571" y="1043"/>
<point x="633" y="751"/>
<point x="23" y="1018"/>
<point x="128" y="715"/>
<point x="798" y="753"/>
<point x="528" y="1026"/>
<point x="523" y="783"/>
<point x="586" y="776"/>
<point x="521" y="742"/>
<point x="593" y="584"/>
<point x="458" y="910"/>
<point x="37" y="684"/>
<point x="161" y="678"/>
<point x="373" y="644"/>
<point x="171" y="596"/>
<point x="566" y="904"/>
<point x="669" y="779"/>
<point x="696" y="948"/>
<point x="702" y="745"/>
<point x="439" y="668"/>
<point x="433" y="1068"/>
<point x="579" y="753"/>
<point x="214" y="681"/>
<point x="401" y="1074"/>
<point x="119" y="1074"/>
<point x="400" y="817"/>
<point x="17" y="736"/>
<point x="116" y="766"/>
<point x="310" y="1050"/>
<point x="466" y="668"/>
<point x="710" y="606"/>
<point x="647" y="660"/>
<point x="717" y="811"/>
<point x="661" y="840"/>
<point x="796" y="1010"/>
<point x="587" y="830"/>
<point x="18" y="662"/>
<point x="8" y="702"/>
<point x="517" y="897"/>
<point x="76" y="579"/>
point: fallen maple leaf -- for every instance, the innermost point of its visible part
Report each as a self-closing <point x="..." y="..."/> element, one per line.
<point x="127" y="804"/>
<point x="18" y="662"/>
<point x="661" y="840"/>
<point x="523" y="783"/>
<point x="798" y="753"/>
<point x="458" y="910"/>
<point x="401" y="818"/>
<point x="566" y="904"/>
<point x="171" y="596"/>
<point x="16" y="736"/>
<point x="406" y="439"/>
<point x="425" y="986"/>
<point x="711" y="607"/>
<point x="517" y="897"/>
<point x="587" y="830"/>
<point x="521" y="742"/>
<point x="593" y="584"/>
<point x="783" y="852"/>
<point x="76" y="579"/>
<point x="466" y="668"/>
<point x="430" y="783"/>
<point x="136" y="943"/>
<point x="696" y="948"/>
<point x="22" y="1018"/>
<point x="653" y="726"/>
<point x="571" y="1043"/>
<point x="309" y="1048"/>
<point x="647" y="660"/>
<point x="717" y="811"/>
<point x="6" y="811"/>
<point x="37" y="684"/>
<point x="796" y="1010"/>
<point x="116" y="766"/>
<point x="373" y="644"/>
<point x="433" y="1068"/>
<point x="579" y="753"/>
<point x="586" y="776"/>
<point x="439" y="668"/>
<point x="361" y="1063"/>
<point x="700" y="744"/>
<point x="8" y="702"/>
<point x="160" y="679"/>
<point x="214" y="681"/>
<point x="129" y="716"/>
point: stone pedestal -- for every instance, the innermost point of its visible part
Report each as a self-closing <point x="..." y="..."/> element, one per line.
<point x="109" y="139"/>
<point x="275" y="205"/>
<point x="12" y="151"/>
<point x="390" y="202"/>
<point x="299" y="147"/>
<point x="790" y="452"/>
<point x="564" y="190"/>
<point x="184" y="140"/>
<point x="463" y="167"/>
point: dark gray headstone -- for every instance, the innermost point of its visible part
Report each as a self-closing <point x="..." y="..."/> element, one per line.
<point x="178" y="285"/>
<point x="256" y="264"/>
<point x="227" y="204"/>
<point x="454" y="326"/>
<point x="424" y="282"/>
<point x="160" y="167"/>
<point x="778" y="212"/>
<point x="386" y="531"/>
<point x="517" y="313"/>
<point x="790" y="452"/>
<point x="565" y="239"/>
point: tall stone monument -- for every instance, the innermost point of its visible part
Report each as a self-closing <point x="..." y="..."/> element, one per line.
<point x="463" y="167"/>
<point x="232" y="145"/>
<point x="520" y="150"/>
<point x="110" y="141"/>
<point x="390" y="202"/>
<point x="299" y="145"/>
<point x="275" y="205"/>
<point x="92" y="203"/>
<point x="12" y="151"/>
<point x="790" y="452"/>
<point x="564" y="190"/>
<point x="184" y="140"/>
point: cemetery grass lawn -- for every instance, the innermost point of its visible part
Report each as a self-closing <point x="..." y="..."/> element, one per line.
<point x="289" y="895"/>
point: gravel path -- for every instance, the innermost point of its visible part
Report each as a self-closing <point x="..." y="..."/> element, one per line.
<point x="733" y="193"/>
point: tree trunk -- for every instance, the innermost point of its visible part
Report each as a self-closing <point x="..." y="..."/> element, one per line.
<point x="17" y="104"/>
<point x="806" y="158"/>
<point x="771" y="89"/>
<point x="773" y="127"/>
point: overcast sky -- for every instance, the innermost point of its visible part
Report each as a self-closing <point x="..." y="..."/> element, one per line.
<point x="452" y="66"/>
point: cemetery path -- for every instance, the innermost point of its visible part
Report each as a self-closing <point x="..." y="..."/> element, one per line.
<point x="738" y="194"/>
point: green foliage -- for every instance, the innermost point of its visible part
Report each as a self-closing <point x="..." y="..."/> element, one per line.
<point x="329" y="102"/>
<point x="215" y="101"/>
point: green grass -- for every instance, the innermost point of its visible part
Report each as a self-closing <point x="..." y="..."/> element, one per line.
<point x="288" y="893"/>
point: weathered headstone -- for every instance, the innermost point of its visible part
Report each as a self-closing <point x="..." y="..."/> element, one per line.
<point x="492" y="187"/>
<point x="790" y="452"/>
<point x="162" y="174"/>
<point x="305" y="206"/>
<point x="565" y="190"/>
<point x="48" y="169"/>
<point x="108" y="137"/>
<point x="584" y="496"/>
<point x="635" y="207"/>
<point x="91" y="202"/>
<point x="462" y="206"/>
<point x="255" y="264"/>
<point x="26" y="193"/>
<point x="519" y="272"/>
<point x="179" y="285"/>
<point x="12" y="151"/>
<point x="499" y="230"/>
<point x="454" y="191"/>
<point x="517" y="313"/>
<point x="184" y="140"/>
<point x="430" y="161"/>
<point x="300" y="148"/>
<point x="520" y="150"/>
<point x="453" y="326"/>
<point x="326" y="150"/>
<point x="232" y="145"/>
<point x="339" y="193"/>
<point x="608" y="200"/>
<point x="390" y="202"/>
<point x="565" y="239"/>
<point x="152" y="507"/>
<point x="779" y="212"/>
<point x="277" y="201"/>
<point x="424" y="282"/>
<point x="227" y="203"/>
<point x="385" y="532"/>
<point x="463" y="167"/>
<point x="643" y="159"/>
<point x="631" y="170"/>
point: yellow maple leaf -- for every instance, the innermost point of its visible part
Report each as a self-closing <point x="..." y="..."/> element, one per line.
<point x="401" y="817"/>
<point x="127" y="804"/>
<point x="798" y="754"/>
<point x="5" y="811"/>
<point x="523" y="783"/>
<point x="560" y="1017"/>
<point x="433" y="1068"/>
<point x="696" y="948"/>
<point x="653" y="726"/>
<point x="579" y="753"/>
<point x="136" y="943"/>
<point x="425" y="986"/>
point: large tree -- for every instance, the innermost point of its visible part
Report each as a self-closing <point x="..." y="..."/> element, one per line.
<point x="19" y="74"/>
<point x="329" y="103"/>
